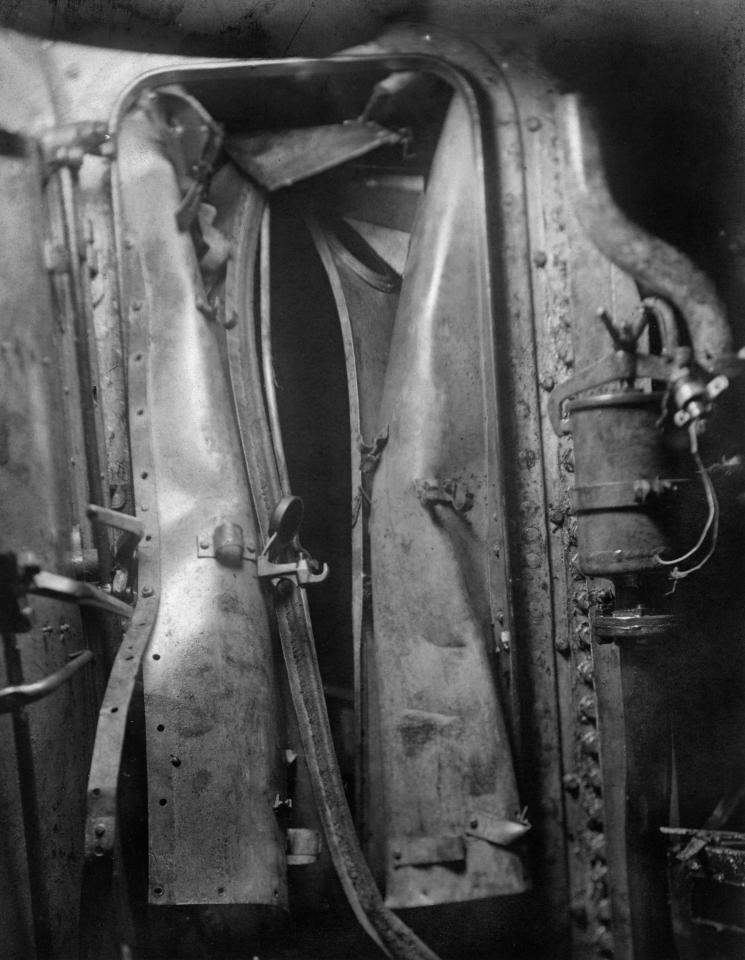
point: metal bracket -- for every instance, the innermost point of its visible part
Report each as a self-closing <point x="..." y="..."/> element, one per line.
<point x="623" y="493"/>
<point x="191" y="140"/>
<point x="225" y="544"/>
<point x="451" y="491"/>
<point x="620" y="365"/>
<point x="495" y="829"/>
<point x="303" y="846"/>
<point x="284" y="526"/>
<point x="694" y="397"/>
<point x="68" y="144"/>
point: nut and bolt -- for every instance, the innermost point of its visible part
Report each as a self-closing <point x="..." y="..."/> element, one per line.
<point x="590" y="743"/>
<point x="587" y="709"/>
<point x="585" y="670"/>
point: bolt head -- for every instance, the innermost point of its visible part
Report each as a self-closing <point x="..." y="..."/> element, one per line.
<point x="147" y="591"/>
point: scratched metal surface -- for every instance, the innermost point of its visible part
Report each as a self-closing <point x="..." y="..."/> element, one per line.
<point x="430" y="596"/>
<point x="212" y="709"/>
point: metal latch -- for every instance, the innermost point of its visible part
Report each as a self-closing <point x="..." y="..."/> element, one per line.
<point x="17" y="580"/>
<point x="283" y="557"/>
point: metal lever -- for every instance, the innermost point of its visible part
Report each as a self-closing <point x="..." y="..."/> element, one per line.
<point x="131" y="528"/>
<point x="56" y="587"/>
<point x="19" y="695"/>
<point x="284" y="525"/>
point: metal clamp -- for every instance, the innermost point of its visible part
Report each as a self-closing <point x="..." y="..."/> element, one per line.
<point x="283" y="540"/>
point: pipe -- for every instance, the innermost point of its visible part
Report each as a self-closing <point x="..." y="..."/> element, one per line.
<point x="35" y="859"/>
<point x="655" y="264"/>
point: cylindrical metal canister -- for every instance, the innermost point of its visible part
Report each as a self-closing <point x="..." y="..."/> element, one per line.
<point x="628" y="483"/>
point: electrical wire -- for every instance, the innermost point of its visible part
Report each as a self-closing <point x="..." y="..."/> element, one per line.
<point x="712" y="520"/>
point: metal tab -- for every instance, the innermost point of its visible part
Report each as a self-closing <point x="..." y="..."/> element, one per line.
<point x="495" y="829"/>
<point x="303" y="846"/>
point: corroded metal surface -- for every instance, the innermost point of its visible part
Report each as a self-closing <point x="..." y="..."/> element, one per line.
<point x="431" y="619"/>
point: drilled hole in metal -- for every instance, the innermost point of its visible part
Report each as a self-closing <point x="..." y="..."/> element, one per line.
<point x="115" y="709"/>
<point x="140" y="412"/>
<point x="96" y="792"/>
<point x="156" y="656"/>
<point x="162" y="801"/>
<point x="144" y="475"/>
<point x="160" y="728"/>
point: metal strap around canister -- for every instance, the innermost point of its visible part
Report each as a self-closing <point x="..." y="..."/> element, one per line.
<point x="623" y="493"/>
<point x="293" y="618"/>
<point x="99" y="895"/>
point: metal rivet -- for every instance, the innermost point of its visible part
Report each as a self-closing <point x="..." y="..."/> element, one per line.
<point x="397" y="854"/>
<point x="137" y="305"/>
<point x="204" y="544"/>
<point x="100" y="830"/>
<point x="473" y="824"/>
<point x="147" y="591"/>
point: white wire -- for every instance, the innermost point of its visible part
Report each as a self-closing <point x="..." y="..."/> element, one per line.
<point x="712" y="521"/>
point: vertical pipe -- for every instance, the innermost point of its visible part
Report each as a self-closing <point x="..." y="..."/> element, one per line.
<point x="29" y="806"/>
